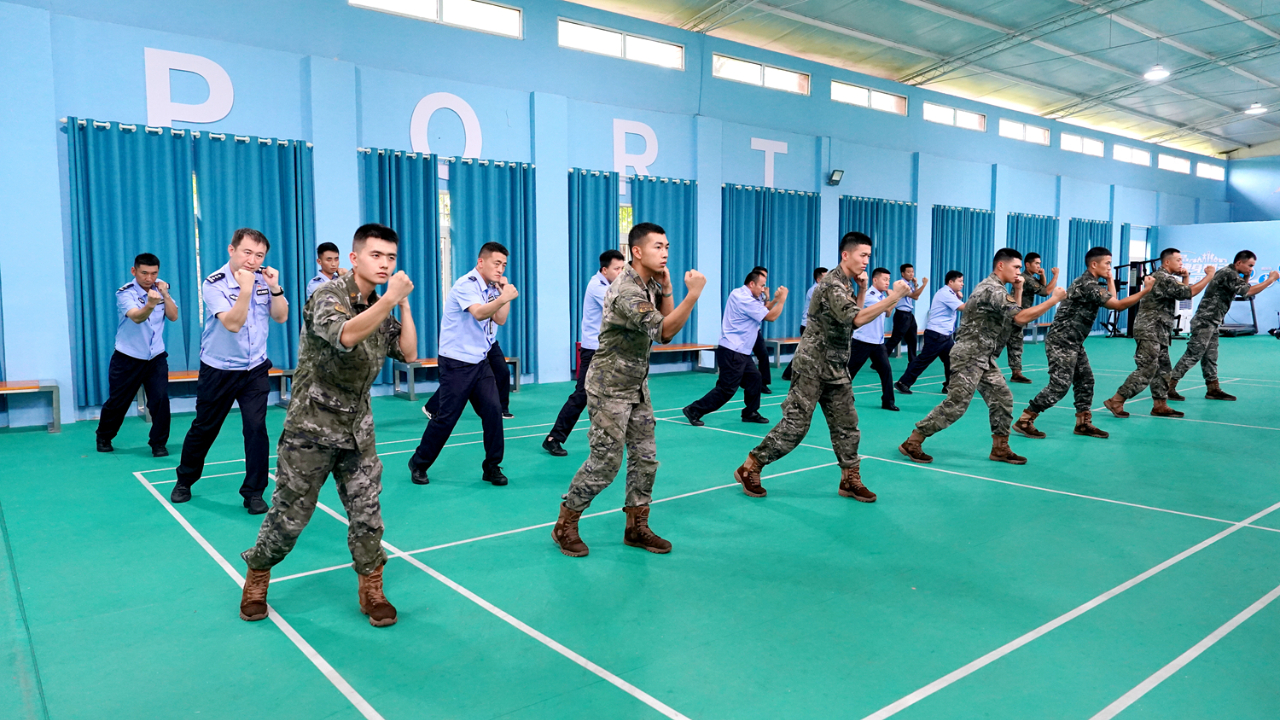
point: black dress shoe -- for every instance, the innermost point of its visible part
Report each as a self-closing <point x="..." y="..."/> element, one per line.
<point x="889" y="406"/>
<point x="494" y="475"/>
<point x="694" y="420"/>
<point x="160" y="451"/>
<point x="902" y="388"/>
<point x="255" y="505"/>
<point x="181" y="493"/>
<point x="553" y="447"/>
<point x="755" y="418"/>
<point x="507" y="415"/>
<point x="764" y="390"/>
<point x="418" y="476"/>
<point x="105" y="446"/>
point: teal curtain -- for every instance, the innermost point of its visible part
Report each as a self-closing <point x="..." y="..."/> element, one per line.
<point x="1120" y="269"/>
<point x="778" y="229"/>
<point x="402" y="191"/>
<point x="1122" y="258"/>
<point x="1082" y="235"/>
<point x="593" y="228"/>
<point x="264" y="184"/>
<point x="890" y="224"/>
<point x="130" y="192"/>
<point x="1034" y="233"/>
<point x="672" y="204"/>
<point x="963" y="239"/>
<point x="493" y="201"/>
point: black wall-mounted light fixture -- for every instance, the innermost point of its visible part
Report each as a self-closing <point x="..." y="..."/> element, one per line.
<point x="834" y="178"/>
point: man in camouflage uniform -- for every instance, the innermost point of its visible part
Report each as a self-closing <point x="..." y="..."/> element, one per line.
<point x="990" y="314"/>
<point x="1227" y="284"/>
<point x="1033" y="286"/>
<point x="820" y="373"/>
<point x="638" y="311"/>
<point x="1064" y="344"/>
<point x="347" y="334"/>
<point x="1152" y="328"/>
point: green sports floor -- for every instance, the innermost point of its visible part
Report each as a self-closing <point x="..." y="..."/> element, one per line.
<point x="1123" y="576"/>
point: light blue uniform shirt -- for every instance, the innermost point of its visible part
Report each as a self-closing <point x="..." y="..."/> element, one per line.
<point x="462" y="337"/>
<point x="219" y="347"/>
<point x="942" y="313"/>
<point x="808" y="298"/>
<point x="143" y="340"/>
<point x="593" y="311"/>
<point x="907" y="302"/>
<point x="743" y="313"/>
<point x="872" y="332"/>
<point x="316" y="282"/>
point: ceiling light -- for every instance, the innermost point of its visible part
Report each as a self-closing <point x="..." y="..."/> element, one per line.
<point x="1156" y="73"/>
<point x="1256" y="109"/>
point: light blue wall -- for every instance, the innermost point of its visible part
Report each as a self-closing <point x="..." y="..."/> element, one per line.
<point x="1216" y="244"/>
<point x="1177" y="210"/>
<point x="1253" y="188"/>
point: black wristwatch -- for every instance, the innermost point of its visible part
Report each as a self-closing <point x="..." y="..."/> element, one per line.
<point x="277" y="294"/>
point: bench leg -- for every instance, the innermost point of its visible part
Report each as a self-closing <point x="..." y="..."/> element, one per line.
<point x="56" y="395"/>
<point x="515" y="376"/>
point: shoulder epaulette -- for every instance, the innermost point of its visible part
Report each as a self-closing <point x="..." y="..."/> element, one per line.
<point x="126" y="287"/>
<point x="215" y="277"/>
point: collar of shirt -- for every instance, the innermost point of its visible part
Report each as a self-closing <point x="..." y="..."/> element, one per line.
<point x="489" y="291"/>
<point x="653" y="287"/>
<point x="353" y="291"/>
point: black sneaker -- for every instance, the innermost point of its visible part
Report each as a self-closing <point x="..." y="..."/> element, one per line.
<point x="255" y="505"/>
<point x="494" y="475"/>
<point x="764" y="390"/>
<point x="552" y="446"/>
<point x="694" y="420"/>
<point x="506" y="415"/>
<point x="902" y="388"/>
<point x="105" y="446"/>
<point x="755" y="418"/>
<point x="181" y="493"/>
<point x="160" y="451"/>
<point x="418" y="475"/>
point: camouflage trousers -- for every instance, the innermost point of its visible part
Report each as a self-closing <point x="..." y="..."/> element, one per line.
<point x="1068" y="367"/>
<point x="617" y="425"/>
<point x="1202" y="347"/>
<point x="805" y="395"/>
<point x="972" y="375"/>
<point x="1014" y="346"/>
<point x="1153" y="371"/>
<point x="302" y="468"/>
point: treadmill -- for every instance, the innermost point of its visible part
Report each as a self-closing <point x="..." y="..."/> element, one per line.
<point x="1241" y="329"/>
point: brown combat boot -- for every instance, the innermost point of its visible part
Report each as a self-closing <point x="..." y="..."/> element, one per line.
<point x="1160" y="408"/>
<point x="638" y="533"/>
<point x="748" y="475"/>
<point x="253" y="601"/>
<point x="1173" y="391"/>
<point x="565" y="533"/>
<point x="1116" y="405"/>
<point x="1213" y="391"/>
<point x="1026" y="425"/>
<point x="1084" y="426"/>
<point x="1000" y="451"/>
<point x="372" y="602"/>
<point x="1018" y="377"/>
<point x="851" y="486"/>
<point x="911" y="448"/>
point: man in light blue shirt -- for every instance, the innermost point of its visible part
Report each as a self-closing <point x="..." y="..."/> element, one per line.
<point x="868" y="340"/>
<point x="139" y="359"/>
<point x="744" y="311"/>
<point x="904" y="314"/>
<point x="327" y="258"/>
<point x="611" y="264"/>
<point x="938" y="331"/>
<point x="240" y="300"/>
<point x="818" y="274"/>
<point x="473" y="309"/>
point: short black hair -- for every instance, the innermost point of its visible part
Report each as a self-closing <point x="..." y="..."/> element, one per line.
<point x="753" y="276"/>
<point x="818" y="272"/>
<point x="642" y="230"/>
<point x="250" y="234"/>
<point x="852" y="240"/>
<point x="373" y="230"/>
<point x="608" y="256"/>
<point x="878" y="272"/>
<point x="1005" y="255"/>
<point x="490" y="248"/>
<point x="146" y="259"/>
<point x="760" y="269"/>
<point x="904" y="267"/>
<point x="1244" y="255"/>
<point x="1096" y="252"/>
<point x="1167" y="252"/>
<point x="954" y="275"/>
<point x="1031" y="257"/>
<point x="325" y="247"/>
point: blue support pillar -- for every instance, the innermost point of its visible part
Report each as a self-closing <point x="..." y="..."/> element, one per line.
<point x="550" y="137"/>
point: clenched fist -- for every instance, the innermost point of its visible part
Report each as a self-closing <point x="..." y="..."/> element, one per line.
<point x="1017" y="282"/>
<point x="1209" y="270"/>
<point x="860" y="279"/>
<point x="272" y="276"/>
<point x="695" y="281"/>
<point x="399" y="286"/>
<point x="901" y="287"/>
<point x="781" y="293"/>
<point x="162" y="286"/>
<point x="1275" y="275"/>
<point x="244" y="278"/>
<point x="153" y="297"/>
<point x="1058" y="293"/>
<point x="509" y="292"/>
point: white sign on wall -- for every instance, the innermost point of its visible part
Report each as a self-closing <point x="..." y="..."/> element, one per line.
<point x="621" y="159"/>
<point x="162" y="111"/>
<point x="428" y="106"/>
<point x="770" y="148"/>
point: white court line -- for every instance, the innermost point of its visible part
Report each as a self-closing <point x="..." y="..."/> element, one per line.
<point x="506" y="617"/>
<point x="316" y="659"/>
<point x="549" y="524"/>
<point x="955" y="675"/>
<point x="1181" y="661"/>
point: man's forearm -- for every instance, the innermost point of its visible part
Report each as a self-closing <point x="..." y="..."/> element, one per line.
<point x="279" y="308"/>
<point x="408" y="335"/>
<point x="355" y="330"/>
<point x="234" y="318"/>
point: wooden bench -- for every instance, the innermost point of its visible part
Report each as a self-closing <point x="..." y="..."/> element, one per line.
<point x="407" y="368"/>
<point x="1036" y="335"/>
<point x="687" y="348"/>
<point x="776" y="344"/>
<point x="181" y="376"/>
<point x="22" y="387"/>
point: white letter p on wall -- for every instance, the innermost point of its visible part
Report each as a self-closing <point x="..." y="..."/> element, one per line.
<point x="162" y="111"/>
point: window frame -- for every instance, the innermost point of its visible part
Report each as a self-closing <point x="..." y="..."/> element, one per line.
<point x="1219" y="168"/>
<point x="1161" y="165"/>
<point x="762" y="67"/>
<point x="955" y="116"/>
<point x="624" y="36"/>
<point x="439" y="18"/>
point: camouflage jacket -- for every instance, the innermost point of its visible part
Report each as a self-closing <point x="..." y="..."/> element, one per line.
<point x="986" y="322"/>
<point x="629" y="326"/>
<point x="1077" y="311"/>
<point x="824" y="348"/>
<point x="330" y="402"/>
<point x="1031" y="289"/>
<point x="1156" y="309"/>
<point x="1225" y="286"/>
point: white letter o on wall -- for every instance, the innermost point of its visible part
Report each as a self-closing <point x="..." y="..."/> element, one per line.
<point x="428" y="106"/>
